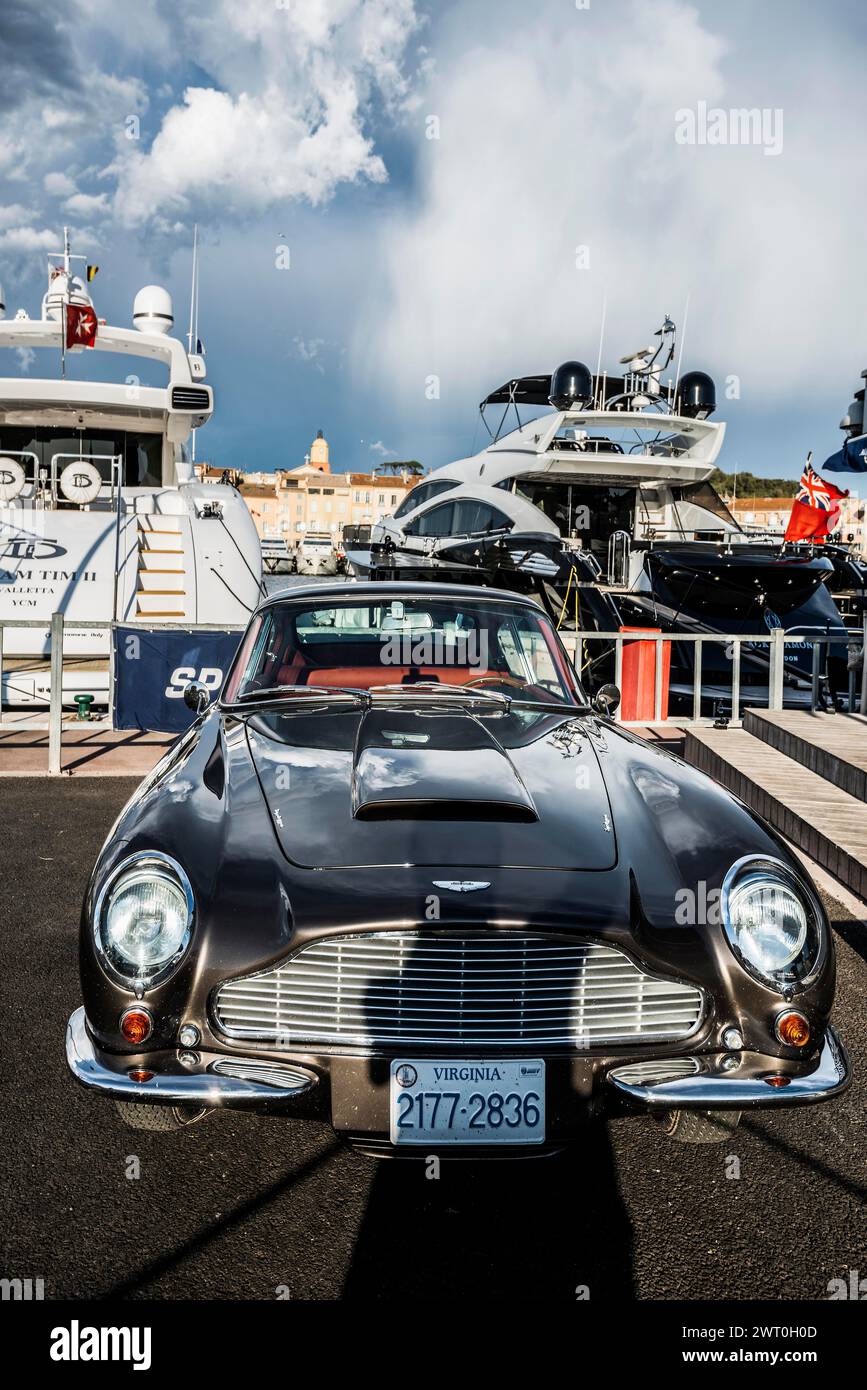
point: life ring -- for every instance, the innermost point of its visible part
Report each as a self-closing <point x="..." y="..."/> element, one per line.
<point x="80" y="482"/>
<point x="12" y="479"/>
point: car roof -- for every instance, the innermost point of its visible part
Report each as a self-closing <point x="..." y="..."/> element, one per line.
<point x="344" y="589"/>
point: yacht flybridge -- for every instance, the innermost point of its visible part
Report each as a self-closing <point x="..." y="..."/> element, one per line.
<point x="603" y="505"/>
<point x="101" y="515"/>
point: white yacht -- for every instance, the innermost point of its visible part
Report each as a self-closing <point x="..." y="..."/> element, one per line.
<point x="316" y="553"/>
<point x="101" y="515"/>
<point x="605" y="499"/>
<point x="620" y="460"/>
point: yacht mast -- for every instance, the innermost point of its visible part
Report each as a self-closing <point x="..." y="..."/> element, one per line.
<point x="192" y="334"/>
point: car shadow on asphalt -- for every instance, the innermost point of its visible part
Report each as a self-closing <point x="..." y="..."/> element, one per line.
<point x="552" y="1228"/>
<point x="848" y="928"/>
<point x="138" y="1283"/>
<point x="805" y="1159"/>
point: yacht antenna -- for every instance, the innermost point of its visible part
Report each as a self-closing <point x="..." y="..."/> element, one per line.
<point x="194" y="290"/>
<point x="682" y="341"/>
<point x="192" y="335"/>
<point x="599" y="358"/>
<point x="64" y="303"/>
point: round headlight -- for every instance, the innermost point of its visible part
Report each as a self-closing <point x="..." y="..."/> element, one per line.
<point x="144" y="917"/>
<point x="772" y="921"/>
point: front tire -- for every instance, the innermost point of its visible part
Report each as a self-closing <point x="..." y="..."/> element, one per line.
<point x="159" y="1119"/>
<point x="699" y="1126"/>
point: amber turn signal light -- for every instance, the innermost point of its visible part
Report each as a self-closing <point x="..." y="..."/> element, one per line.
<point x="141" y="1076"/>
<point x="792" y="1029"/>
<point x="136" y="1025"/>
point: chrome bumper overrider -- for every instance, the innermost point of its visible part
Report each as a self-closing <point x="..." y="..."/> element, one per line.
<point x="750" y="1079"/>
<point x="175" y="1085"/>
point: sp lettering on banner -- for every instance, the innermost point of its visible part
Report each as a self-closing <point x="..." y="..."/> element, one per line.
<point x="211" y="677"/>
<point x="153" y="667"/>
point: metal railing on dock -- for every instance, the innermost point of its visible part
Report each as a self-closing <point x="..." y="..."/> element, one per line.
<point x="58" y="627"/>
<point x="775" y="642"/>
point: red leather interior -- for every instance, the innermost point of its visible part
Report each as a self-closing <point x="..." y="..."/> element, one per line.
<point x="288" y="675"/>
<point x="363" y="677"/>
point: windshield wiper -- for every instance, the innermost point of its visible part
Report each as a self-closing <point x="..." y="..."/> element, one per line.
<point x="299" y="693"/>
<point x="451" y="692"/>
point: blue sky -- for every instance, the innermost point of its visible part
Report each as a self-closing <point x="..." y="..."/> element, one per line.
<point x="305" y="123"/>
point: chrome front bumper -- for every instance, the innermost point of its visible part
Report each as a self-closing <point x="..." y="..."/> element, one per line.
<point x="174" y="1084"/>
<point x="748" y="1081"/>
<point x="734" y="1081"/>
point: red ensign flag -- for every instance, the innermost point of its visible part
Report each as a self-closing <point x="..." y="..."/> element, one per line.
<point x="80" y="326"/>
<point x="815" y="510"/>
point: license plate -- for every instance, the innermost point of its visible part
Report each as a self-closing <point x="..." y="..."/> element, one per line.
<point x="477" y="1102"/>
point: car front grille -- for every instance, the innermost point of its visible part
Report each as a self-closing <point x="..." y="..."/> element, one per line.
<point x="461" y="991"/>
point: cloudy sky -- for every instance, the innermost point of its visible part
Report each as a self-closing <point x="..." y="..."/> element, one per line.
<point x="389" y="191"/>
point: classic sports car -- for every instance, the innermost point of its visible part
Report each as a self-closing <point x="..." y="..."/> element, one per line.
<point x="403" y="877"/>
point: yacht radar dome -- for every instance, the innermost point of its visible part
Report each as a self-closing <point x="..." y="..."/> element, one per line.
<point x="571" y="386"/>
<point x="697" y="395"/>
<point x="63" y="288"/>
<point x="152" y="310"/>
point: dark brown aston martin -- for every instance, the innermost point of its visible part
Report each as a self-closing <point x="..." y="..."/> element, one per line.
<point x="402" y="876"/>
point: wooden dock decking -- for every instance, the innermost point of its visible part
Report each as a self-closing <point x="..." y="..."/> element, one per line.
<point x="833" y="745"/>
<point x="805" y="773"/>
<point x="89" y="749"/>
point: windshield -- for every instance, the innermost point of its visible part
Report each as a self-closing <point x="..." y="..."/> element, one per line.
<point x="400" y="642"/>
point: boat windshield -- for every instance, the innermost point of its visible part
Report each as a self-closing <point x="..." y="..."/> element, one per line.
<point x="437" y="643"/>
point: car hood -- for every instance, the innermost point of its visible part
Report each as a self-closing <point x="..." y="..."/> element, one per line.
<point x="397" y="786"/>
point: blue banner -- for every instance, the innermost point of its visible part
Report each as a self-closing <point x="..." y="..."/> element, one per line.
<point x="152" y="668"/>
<point x="852" y="458"/>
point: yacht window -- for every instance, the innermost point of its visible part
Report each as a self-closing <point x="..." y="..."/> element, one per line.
<point x="141" y="453"/>
<point x="425" y="492"/>
<point x="436" y="522"/>
<point x="705" y="496"/>
<point x="143" y="460"/>
<point x="584" y="511"/>
<point x="477" y="518"/>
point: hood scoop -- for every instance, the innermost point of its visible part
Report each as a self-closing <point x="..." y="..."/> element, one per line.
<point x="439" y="766"/>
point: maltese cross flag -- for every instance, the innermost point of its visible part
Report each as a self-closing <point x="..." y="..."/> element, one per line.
<point x="80" y="326"/>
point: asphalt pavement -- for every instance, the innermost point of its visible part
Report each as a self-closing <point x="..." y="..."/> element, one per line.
<point x="258" y="1208"/>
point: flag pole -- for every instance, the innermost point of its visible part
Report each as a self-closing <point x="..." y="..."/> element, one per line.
<point x="194" y="314"/>
<point x="65" y="302"/>
<point x="193" y="288"/>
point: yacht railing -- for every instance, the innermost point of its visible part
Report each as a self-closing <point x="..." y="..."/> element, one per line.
<point x="113" y="482"/>
<point x="44" y="478"/>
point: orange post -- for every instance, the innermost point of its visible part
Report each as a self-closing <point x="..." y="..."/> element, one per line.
<point x="638" y="679"/>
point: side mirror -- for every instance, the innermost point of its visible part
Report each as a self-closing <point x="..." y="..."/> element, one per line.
<point x="606" y="700"/>
<point x="197" y="697"/>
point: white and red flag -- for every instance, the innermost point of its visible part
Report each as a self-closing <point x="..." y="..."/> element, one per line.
<point x="81" y="326"/>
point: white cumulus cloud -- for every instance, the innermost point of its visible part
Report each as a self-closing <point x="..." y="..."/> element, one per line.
<point x="557" y="180"/>
<point x="286" y="117"/>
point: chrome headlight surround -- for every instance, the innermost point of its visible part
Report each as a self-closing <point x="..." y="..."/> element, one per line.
<point x="141" y="867"/>
<point x="804" y="964"/>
